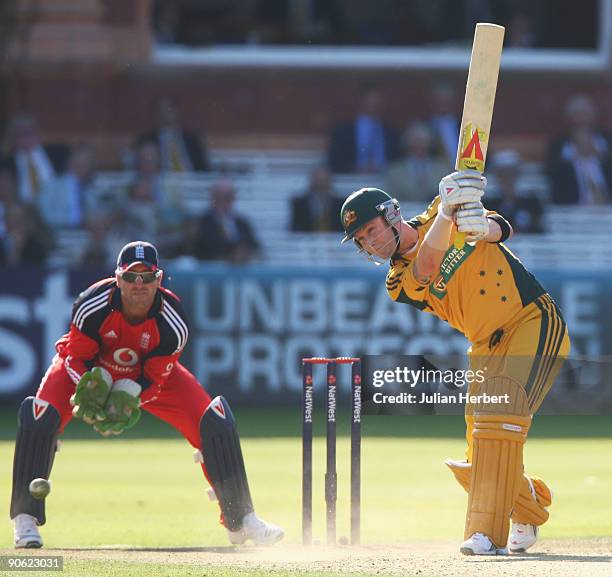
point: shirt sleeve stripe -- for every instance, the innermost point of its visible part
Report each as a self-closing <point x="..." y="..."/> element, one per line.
<point x="89" y="303"/>
<point x="74" y="376"/>
<point x="88" y="307"/>
<point x="173" y="326"/>
<point x="177" y="324"/>
<point x="181" y="323"/>
<point x="88" y="313"/>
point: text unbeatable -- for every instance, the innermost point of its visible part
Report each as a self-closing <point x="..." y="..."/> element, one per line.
<point x="440" y="398"/>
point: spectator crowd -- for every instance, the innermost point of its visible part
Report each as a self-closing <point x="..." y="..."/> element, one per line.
<point x="47" y="187"/>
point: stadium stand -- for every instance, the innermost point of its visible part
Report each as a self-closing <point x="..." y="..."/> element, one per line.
<point x="271" y="177"/>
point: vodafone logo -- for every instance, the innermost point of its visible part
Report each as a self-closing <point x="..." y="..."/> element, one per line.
<point x="125" y="357"/>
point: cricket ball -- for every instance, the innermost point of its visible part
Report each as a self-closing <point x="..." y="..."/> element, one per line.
<point x="39" y="488"/>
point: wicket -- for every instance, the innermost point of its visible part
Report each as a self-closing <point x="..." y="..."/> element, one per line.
<point x="331" y="477"/>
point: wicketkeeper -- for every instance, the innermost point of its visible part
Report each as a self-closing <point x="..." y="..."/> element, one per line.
<point x="121" y="356"/>
<point x="515" y="329"/>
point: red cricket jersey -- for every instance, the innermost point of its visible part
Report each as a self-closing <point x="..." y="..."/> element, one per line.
<point x="100" y="336"/>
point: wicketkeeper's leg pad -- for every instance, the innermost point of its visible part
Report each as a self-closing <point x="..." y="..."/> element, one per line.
<point x="496" y="474"/>
<point x="224" y="463"/>
<point x="532" y="501"/>
<point x="37" y="431"/>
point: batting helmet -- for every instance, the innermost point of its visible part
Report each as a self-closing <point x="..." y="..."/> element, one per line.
<point x="365" y="205"/>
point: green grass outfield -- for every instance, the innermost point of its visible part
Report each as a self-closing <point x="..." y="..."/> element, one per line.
<point x="144" y="490"/>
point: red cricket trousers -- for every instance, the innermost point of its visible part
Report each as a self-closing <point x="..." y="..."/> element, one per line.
<point x="180" y="402"/>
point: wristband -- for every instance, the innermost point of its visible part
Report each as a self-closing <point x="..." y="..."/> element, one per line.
<point x="503" y="225"/>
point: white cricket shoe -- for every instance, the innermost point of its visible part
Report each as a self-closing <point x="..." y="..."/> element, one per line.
<point x="257" y="530"/>
<point x="480" y="544"/>
<point x="26" y="532"/>
<point x="522" y="536"/>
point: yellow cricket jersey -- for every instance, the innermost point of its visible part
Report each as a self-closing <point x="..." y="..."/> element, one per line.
<point x="478" y="290"/>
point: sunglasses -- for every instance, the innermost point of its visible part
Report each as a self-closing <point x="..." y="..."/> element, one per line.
<point x="147" y="277"/>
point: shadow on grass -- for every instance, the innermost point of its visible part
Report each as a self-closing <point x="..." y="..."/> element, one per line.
<point x="255" y="422"/>
<point x="226" y="549"/>
<point x="233" y="550"/>
<point x="555" y="557"/>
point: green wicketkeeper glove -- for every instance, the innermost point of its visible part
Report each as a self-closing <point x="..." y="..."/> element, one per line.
<point x="122" y="409"/>
<point x="91" y="394"/>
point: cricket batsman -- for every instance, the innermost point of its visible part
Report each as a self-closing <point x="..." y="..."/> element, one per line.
<point x="517" y="335"/>
<point x="120" y="356"/>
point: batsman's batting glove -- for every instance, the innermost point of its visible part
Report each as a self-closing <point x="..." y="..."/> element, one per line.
<point x="91" y="394"/>
<point x="471" y="219"/>
<point x="464" y="186"/>
<point x="122" y="409"/>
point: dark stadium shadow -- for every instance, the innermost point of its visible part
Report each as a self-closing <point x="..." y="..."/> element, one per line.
<point x="226" y="549"/>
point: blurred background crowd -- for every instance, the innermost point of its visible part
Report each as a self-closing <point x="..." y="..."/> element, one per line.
<point x="229" y="134"/>
<point x="73" y="197"/>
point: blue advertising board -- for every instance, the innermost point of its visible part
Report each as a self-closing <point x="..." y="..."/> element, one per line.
<point x="249" y="326"/>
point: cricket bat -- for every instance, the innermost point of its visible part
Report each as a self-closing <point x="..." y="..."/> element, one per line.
<point x="479" y="101"/>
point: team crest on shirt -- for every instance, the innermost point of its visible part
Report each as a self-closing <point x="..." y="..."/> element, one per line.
<point x="349" y="217"/>
<point x="145" y="339"/>
<point x="440" y="284"/>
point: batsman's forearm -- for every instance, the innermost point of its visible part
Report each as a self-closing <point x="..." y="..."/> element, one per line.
<point x="438" y="235"/>
<point x="434" y="246"/>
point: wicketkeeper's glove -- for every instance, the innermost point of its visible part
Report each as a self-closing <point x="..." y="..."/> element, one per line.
<point x="90" y="395"/>
<point x="122" y="409"/>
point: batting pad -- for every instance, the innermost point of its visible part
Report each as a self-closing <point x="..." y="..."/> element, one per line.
<point x="35" y="447"/>
<point x="531" y="504"/>
<point x="224" y="463"/>
<point x="533" y="495"/>
<point x="497" y="469"/>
